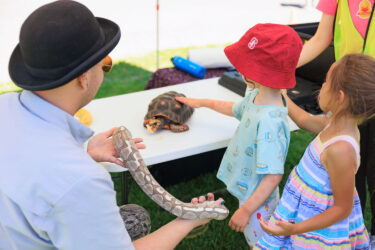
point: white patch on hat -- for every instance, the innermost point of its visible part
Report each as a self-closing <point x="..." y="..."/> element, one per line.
<point x="252" y="43"/>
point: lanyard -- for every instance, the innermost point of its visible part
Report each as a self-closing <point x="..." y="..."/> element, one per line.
<point x="368" y="27"/>
<point x="368" y="24"/>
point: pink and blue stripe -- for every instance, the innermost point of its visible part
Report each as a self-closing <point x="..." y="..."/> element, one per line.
<point x="307" y="193"/>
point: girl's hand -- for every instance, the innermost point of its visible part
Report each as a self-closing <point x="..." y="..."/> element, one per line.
<point x="281" y="228"/>
<point x="194" y="103"/>
<point x="239" y="220"/>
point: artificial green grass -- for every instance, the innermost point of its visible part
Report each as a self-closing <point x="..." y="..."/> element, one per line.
<point x="218" y="235"/>
<point x="123" y="78"/>
<point x="131" y="75"/>
<point x="128" y="75"/>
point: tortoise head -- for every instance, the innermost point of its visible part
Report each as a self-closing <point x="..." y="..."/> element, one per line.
<point x="154" y="124"/>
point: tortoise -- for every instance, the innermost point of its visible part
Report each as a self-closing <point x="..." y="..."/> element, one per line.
<point x="165" y="112"/>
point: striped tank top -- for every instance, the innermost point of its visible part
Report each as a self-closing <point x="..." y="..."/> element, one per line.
<point x="308" y="193"/>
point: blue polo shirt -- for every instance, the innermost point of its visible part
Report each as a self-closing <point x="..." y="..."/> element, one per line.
<point x="258" y="147"/>
<point x="53" y="195"/>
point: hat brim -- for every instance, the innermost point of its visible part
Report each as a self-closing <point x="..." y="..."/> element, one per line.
<point x="22" y="78"/>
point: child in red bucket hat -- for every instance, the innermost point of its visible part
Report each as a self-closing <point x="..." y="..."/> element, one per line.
<point x="267" y="54"/>
<point x="253" y="164"/>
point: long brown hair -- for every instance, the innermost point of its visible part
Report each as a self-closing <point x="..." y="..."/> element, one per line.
<point x="354" y="74"/>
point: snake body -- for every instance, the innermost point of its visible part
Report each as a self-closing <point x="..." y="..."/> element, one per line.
<point x="129" y="153"/>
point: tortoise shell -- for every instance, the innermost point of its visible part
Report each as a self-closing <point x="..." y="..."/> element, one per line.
<point x="167" y="106"/>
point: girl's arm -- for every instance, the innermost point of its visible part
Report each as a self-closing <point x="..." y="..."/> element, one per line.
<point x="219" y="106"/>
<point x="304" y="120"/>
<point x="340" y="162"/>
<point x="319" y="42"/>
<point x="242" y="215"/>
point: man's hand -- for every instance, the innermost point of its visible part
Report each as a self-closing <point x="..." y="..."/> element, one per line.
<point x="239" y="220"/>
<point x="101" y="148"/>
<point x="201" y="199"/>
<point x="281" y="228"/>
<point x="194" y="103"/>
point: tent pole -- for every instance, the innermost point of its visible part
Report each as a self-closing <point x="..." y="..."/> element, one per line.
<point x="157" y="34"/>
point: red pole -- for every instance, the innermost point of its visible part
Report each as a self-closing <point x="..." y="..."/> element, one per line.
<point x="157" y="34"/>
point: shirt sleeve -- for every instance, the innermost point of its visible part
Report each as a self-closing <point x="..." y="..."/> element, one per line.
<point x="87" y="217"/>
<point x="272" y="146"/>
<point x="327" y="6"/>
<point x="240" y="106"/>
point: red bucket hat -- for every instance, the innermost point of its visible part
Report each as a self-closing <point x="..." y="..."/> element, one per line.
<point x="267" y="54"/>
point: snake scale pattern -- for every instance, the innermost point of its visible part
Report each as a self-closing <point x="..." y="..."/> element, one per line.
<point x="129" y="153"/>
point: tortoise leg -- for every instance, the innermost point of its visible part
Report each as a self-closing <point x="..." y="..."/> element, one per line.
<point x="178" y="128"/>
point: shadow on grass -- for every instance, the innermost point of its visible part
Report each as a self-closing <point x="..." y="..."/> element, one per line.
<point x="123" y="78"/>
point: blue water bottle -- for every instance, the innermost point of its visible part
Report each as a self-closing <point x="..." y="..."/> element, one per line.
<point x="189" y="66"/>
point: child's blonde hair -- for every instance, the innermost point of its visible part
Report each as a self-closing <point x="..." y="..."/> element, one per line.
<point x="354" y="74"/>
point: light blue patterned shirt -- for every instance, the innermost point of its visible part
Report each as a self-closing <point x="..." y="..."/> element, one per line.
<point x="258" y="147"/>
<point x="53" y="195"/>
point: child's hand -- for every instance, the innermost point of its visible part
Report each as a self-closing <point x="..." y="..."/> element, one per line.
<point x="194" y="103"/>
<point x="281" y="228"/>
<point x="239" y="220"/>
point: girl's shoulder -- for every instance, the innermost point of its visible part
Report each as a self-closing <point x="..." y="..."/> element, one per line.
<point x="340" y="148"/>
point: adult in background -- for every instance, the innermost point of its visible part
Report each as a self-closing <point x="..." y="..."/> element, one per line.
<point x="351" y="25"/>
<point x="53" y="194"/>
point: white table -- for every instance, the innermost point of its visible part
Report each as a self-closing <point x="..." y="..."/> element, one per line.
<point x="209" y="130"/>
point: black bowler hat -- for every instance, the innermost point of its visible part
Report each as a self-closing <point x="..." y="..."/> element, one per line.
<point x="58" y="42"/>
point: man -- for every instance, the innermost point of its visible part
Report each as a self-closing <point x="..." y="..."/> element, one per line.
<point x="53" y="194"/>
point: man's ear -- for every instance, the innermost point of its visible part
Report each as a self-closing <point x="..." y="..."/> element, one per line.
<point x="82" y="80"/>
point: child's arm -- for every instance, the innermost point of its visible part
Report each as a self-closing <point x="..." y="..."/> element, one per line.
<point x="219" y="106"/>
<point x="340" y="162"/>
<point x="304" y="120"/>
<point x="319" y="42"/>
<point x="241" y="217"/>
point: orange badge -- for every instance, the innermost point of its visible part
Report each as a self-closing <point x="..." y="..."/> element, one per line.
<point x="364" y="9"/>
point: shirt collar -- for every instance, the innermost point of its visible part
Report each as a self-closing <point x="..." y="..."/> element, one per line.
<point x="54" y="115"/>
